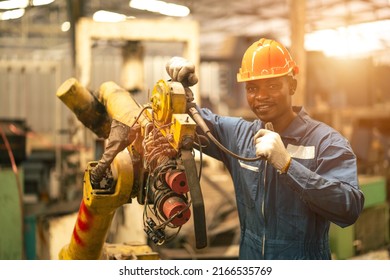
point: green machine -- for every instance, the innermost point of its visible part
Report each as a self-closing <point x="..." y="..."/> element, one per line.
<point x="11" y="216"/>
<point x="371" y="230"/>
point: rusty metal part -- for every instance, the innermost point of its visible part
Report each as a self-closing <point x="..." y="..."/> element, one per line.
<point x="118" y="140"/>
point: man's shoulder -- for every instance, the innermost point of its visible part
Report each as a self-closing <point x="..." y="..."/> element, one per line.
<point x="320" y="129"/>
<point x="313" y="122"/>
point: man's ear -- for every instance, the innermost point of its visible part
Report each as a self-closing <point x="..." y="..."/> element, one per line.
<point x="293" y="85"/>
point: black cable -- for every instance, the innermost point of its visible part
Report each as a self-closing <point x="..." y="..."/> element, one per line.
<point x="199" y="120"/>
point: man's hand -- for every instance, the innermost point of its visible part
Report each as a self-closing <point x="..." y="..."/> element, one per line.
<point x="182" y="70"/>
<point x="270" y="146"/>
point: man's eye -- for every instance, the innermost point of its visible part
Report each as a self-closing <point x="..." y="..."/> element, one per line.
<point x="251" y="89"/>
<point x="275" y="86"/>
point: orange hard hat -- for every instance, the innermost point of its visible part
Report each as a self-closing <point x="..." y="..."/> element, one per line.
<point x="264" y="59"/>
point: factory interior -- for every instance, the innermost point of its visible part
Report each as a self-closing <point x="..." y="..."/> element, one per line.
<point x="53" y="49"/>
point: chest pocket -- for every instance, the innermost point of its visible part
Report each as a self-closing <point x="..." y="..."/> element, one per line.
<point x="303" y="154"/>
<point x="248" y="187"/>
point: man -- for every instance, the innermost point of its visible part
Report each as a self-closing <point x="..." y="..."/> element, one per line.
<point x="307" y="175"/>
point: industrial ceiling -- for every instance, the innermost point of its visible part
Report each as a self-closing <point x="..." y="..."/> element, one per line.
<point x="221" y="22"/>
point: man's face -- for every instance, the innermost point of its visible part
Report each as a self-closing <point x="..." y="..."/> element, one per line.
<point x="270" y="99"/>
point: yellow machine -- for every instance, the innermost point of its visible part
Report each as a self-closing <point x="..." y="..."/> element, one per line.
<point x="148" y="157"/>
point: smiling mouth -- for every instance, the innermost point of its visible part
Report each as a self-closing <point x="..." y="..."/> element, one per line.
<point x="264" y="107"/>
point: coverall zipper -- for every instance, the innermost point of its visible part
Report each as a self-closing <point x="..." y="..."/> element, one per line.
<point x="263" y="210"/>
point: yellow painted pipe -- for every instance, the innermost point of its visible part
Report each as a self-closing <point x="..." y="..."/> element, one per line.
<point x="120" y="105"/>
<point x="85" y="106"/>
<point x="97" y="211"/>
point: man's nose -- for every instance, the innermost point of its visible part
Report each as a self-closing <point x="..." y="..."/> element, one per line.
<point x="262" y="94"/>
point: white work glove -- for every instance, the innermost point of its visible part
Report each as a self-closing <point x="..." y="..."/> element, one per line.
<point x="270" y="146"/>
<point x="181" y="70"/>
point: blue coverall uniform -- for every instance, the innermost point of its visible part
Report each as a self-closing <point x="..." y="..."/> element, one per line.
<point x="287" y="216"/>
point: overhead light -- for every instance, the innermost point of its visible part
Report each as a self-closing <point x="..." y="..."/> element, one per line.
<point x="164" y="8"/>
<point x="106" y="16"/>
<point x="65" y="26"/>
<point x="11" y="14"/>
<point x="13" y="4"/>
<point x="21" y="4"/>
<point x="353" y="40"/>
<point x="41" y="2"/>
<point x="16" y="8"/>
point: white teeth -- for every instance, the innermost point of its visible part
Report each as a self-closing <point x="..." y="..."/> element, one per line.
<point x="264" y="106"/>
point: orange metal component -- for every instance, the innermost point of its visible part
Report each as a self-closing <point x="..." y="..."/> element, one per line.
<point x="174" y="205"/>
<point x="265" y="59"/>
<point x="177" y="181"/>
